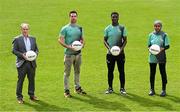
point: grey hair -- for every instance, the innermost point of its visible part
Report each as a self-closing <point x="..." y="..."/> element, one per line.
<point x="24" y="25"/>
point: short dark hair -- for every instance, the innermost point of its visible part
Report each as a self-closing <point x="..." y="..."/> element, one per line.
<point x="72" y="12"/>
<point x="115" y="13"/>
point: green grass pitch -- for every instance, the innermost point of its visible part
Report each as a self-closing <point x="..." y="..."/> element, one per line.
<point x="46" y="17"/>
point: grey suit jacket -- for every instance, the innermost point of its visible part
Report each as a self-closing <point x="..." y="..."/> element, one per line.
<point x="19" y="48"/>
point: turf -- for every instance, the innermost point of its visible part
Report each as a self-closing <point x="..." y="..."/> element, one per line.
<point x="46" y="17"/>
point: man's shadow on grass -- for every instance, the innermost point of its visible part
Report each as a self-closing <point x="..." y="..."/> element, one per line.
<point x="146" y="102"/>
<point x="43" y="106"/>
<point x="173" y="98"/>
<point x="102" y="104"/>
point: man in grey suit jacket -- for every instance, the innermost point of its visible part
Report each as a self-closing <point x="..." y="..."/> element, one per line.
<point x="22" y="44"/>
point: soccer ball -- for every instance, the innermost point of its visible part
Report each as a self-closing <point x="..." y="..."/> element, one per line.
<point x="31" y="55"/>
<point x="77" y="45"/>
<point x="115" y="50"/>
<point x="154" y="49"/>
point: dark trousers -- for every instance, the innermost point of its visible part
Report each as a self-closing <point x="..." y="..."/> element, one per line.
<point x="162" y="68"/>
<point x="110" y="60"/>
<point x="26" y="68"/>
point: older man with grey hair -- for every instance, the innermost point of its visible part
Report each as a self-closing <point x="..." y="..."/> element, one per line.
<point x="21" y="44"/>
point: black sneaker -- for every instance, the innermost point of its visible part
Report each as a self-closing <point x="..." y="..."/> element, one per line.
<point x="109" y="91"/>
<point x="163" y="93"/>
<point x="152" y="92"/>
<point x="123" y="91"/>
<point x="67" y="93"/>
<point x="80" y="91"/>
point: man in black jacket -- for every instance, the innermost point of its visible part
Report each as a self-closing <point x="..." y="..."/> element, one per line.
<point x="22" y="44"/>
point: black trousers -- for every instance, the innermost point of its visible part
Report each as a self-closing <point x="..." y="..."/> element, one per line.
<point x="162" y="68"/>
<point x="110" y="60"/>
<point x="28" y="69"/>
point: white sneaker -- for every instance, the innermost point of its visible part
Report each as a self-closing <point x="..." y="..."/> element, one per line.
<point x="123" y="91"/>
<point x="109" y="91"/>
